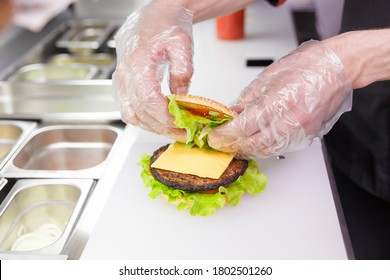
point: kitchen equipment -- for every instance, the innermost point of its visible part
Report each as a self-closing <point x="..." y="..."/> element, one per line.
<point x="12" y="133"/>
<point x="98" y="59"/>
<point x="85" y="36"/>
<point x="43" y="73"/>
<point x="76" y="101"/>
<point x="104" y="61"/>
<point x="64" y="151"/>
<point x="38" y="215"/>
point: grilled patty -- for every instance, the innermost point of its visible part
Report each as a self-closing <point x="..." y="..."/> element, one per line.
<point x="189" y="182"/>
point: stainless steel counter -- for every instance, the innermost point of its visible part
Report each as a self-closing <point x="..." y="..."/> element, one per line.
<point x="56" y="139"/>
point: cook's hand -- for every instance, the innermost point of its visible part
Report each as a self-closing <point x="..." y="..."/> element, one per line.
<point x="151" y="37"/>
<point x="293" y="101"/>
<point x="35" y="14"/>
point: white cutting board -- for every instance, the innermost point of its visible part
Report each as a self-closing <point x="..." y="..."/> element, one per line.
<point x="294" y="218"/>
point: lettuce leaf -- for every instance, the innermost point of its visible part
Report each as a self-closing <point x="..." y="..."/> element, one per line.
<point x="197" y="127"/>
<point x="252" y="182"/>
<point x="199" y="204"/>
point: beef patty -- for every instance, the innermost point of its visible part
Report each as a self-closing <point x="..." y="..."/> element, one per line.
<point x="189" y="182"/>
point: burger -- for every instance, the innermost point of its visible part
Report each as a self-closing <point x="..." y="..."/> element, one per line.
<point x="192" y="175"/>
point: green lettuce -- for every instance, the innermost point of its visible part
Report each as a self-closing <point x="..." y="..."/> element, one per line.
<point x="202" y="204"/>
<point x="197" y="127"/>
<point x="252" y="182"/>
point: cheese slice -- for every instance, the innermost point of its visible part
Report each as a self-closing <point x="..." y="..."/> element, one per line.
<point x="195" y="161"/>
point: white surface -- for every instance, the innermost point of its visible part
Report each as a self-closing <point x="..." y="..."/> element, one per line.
<point x="294" y="218"/>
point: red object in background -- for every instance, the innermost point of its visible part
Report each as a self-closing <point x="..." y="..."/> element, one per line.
<point x="232" y="26"/>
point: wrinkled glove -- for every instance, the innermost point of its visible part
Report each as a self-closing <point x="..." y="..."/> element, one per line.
<point x="293" y="101"/>
<point x="150" y="38"/>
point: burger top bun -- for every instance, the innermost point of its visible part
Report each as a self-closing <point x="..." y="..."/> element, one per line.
<point x="203" y="106"/>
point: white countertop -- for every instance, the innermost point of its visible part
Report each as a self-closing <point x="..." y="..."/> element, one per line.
<point x="294" y="218"/>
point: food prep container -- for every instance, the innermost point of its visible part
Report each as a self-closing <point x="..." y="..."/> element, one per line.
<point x="12" y="134"/>
<point x="98" y="59"/>
<point x="104" y="61"/>
<point x="92" y="45"/>
<point x="38" y="216"/>
<point x="43" y="73"/>
<point x="64" y="151"/>
<point x="76" y="101"/>
<point x="85" y="36"/>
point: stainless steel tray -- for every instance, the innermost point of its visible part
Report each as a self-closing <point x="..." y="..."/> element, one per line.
<point x="106" y="62"/>
<point x="85" y="36"/>
<point x="38" y="216"/>
<point x="101" y="59"/>
<point x="47" y="48"/>
<point x="78" y="101"/>
<point x="12" y="134"/>
<point x="64" y="151"/>
<point x="48" y="73"/>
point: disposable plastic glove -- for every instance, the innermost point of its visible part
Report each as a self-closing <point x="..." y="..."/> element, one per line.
<point x="293" y="101"/>
<point x="151" y="37"/>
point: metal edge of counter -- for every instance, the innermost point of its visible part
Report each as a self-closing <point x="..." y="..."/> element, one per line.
<point x="95" y="205"/>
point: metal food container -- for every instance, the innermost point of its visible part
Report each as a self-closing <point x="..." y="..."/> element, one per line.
<point x="76" y="101"/>
<point x="38" y="216"/>
<point x="85" y="36"/>
<point x="99" y="59"/>
<point x="43" y="73"/>
<point x="12" y="133"/>
<point x="64" y="151"/>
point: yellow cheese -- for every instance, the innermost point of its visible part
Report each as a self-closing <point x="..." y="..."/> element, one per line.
<point x="195" y="161"/>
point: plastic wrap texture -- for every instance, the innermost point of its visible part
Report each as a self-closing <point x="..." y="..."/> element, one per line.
<point x="153" y="38"/>
<point x="293" y="101"/>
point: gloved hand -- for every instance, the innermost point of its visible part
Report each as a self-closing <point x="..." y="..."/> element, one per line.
<point x="151" y="37"/>
<point x="293" y="101"/>
<point x="35" y="14"/>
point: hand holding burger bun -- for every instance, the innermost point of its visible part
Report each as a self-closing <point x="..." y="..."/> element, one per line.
<point x="192" y="175"/>
<point x="290" y="103"/>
